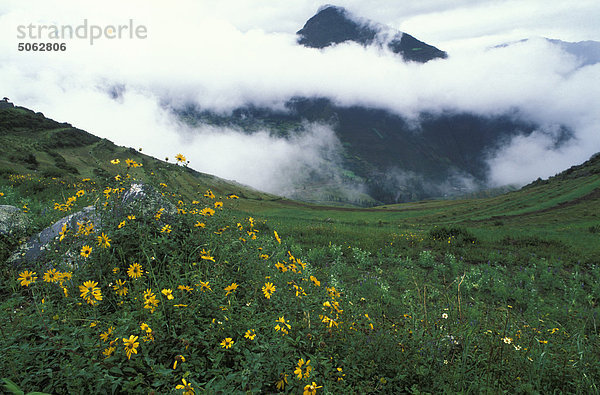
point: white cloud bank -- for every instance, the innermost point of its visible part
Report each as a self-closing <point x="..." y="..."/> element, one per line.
<point x="222" y="55"/>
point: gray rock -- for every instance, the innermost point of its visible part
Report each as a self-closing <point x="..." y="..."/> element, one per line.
<point x="146" y="200"/>
<point x="143" y="198"/>
<point x="34" y="250"/>
<point x="12" y="220"/>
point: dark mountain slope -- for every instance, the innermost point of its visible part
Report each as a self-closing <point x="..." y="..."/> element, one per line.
<point x="397" y="160"/>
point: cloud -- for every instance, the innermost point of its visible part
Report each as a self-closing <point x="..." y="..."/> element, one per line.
<point x="400" y="185"/>
<point x="491" y="22"/>
<point x="223" y="55"/>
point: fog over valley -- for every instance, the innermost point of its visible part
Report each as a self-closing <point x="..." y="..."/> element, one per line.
<point x="230" y="87"/>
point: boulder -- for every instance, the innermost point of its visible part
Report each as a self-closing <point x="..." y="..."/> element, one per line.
<point x="12" y="220"/>
<point x="34" y="249"/>
<point x="144" y="199"/>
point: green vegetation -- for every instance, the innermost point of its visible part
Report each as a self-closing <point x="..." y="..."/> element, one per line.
<point x="237" y="294"/>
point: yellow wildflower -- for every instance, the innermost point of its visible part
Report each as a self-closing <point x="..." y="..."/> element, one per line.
<point x="185" y="288"/>
<point x="178" y="358"/>
<point x="166" y="229"/>
<point x="281" y="267"/>
<point x="103" y="241"/>
<point x="85" y="251"/>
<point x="207" y="212"/>
<point x="285" y="327"/>
<point x="120" y="288"/>
<point x="227" y="343"/>
<point x="131" y="345"/>
<point x="63" y="232"/>
<point x="230" y="288"/>
<point x="281" y="382"/>
<point x="150" y="301"/>
<point x="108" y="351"/>
<point x="104" y="335"/>
<point x="52" y="276"/>
<point x="206" y="256"/>
<point x="299" y="291"/>
<point x="298" y="371"/>
<point x="135" y="270"/>
<point x="268" y="289"/>
<point x="90" y="290"/>
<point x="186" y="387"/>
<point x="26" y="277"/>
<point x="168" y="293"/>
<point x="311" y="389"/>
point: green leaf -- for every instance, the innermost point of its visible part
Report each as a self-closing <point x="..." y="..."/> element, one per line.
<point x="116" y="370"/>
<point x="12" y="387"/>
<point x="128" y="369"/>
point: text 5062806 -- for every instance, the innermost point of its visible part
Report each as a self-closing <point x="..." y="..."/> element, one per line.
<point x="42" y="47"/>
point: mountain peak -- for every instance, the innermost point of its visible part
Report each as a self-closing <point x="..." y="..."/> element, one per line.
<point x="333" y="25"/>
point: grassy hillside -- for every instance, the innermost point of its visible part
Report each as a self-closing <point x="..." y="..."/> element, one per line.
<point x="560" y="215"/>
<point x="34" y="144"/>
<point x="263" y="294"/>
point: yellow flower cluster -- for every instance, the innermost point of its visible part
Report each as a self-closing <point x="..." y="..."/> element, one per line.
<point x="285" y="327"/>
<point x="150" y="301"/>
<point x="303" y="369"/>
<point x="90" y="292"/>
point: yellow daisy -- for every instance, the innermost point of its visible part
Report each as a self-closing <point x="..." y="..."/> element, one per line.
<point x="131" y="345"/>
<point x="27" y="278"/>
<point x="85" y="251"/>
<point x="230" y="288"/>
<point x="268" y="290"/>
<point x="227" y="343"/>
<point x="135" y="270"/>
<point x="103" y="241"/>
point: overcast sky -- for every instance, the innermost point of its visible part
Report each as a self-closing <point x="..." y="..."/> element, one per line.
<point x="223" y="54"/>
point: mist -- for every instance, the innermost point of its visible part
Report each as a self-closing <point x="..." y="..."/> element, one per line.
<point x="219" y="57"/>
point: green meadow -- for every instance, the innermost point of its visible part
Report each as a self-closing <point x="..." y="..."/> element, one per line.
<point x="219" y="288"/>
